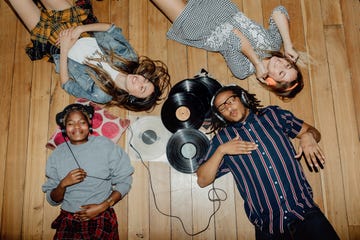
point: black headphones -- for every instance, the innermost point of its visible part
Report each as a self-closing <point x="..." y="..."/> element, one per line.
<point x="87" y="110"/>
<point x="238" y="91"/>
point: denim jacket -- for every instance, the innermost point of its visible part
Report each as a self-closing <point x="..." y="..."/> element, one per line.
<point x="80" y="84"/>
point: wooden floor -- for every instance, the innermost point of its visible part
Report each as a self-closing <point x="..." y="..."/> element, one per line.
<point x="328" y="30"/>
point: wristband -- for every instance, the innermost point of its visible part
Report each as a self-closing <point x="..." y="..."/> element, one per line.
<point x="110" y="201"/>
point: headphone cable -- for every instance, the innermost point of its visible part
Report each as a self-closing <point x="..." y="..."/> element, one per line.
<point x="213" y="189"/>
<point x="77" y="162"/>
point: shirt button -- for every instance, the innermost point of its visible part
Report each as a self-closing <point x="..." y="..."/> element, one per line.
<point x="256" y="141"/>
<point x="263" y="153"/>
<point x="286" y="211"/>
<point x="249" y="130"/>
<point x="285" y="217"/>
<point x="270" y="167"/>
<point x="281" y="197"/>
<point x="276" y="182"/>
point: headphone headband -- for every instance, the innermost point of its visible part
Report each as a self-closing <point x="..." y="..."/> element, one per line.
<point x="87" y="110"/>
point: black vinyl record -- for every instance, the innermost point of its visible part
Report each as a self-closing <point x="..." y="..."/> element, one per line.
<point x="185" y="148"/>
<point x="195" y="87"/>
<point x="182" y="110"/>
<point x="211" y="84"/>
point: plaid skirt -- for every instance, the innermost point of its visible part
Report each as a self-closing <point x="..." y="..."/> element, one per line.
<point x="46" y="32"/>
<point x="104" y="226"/>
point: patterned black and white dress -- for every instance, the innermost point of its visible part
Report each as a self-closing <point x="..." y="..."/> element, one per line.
<point x="208" y="24"/>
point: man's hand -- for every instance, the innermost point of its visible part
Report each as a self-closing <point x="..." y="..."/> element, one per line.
<point x="312" y="152"/>
<point x="236" y="146"/>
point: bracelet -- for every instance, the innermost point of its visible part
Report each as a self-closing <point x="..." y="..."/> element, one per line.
<point x="110" y="201"/>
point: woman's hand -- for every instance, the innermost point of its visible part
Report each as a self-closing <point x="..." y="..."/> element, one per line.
<point x="77" y="31"/>
<point x="68" y="37"/>
<point x="261" y="72"/>
<point x="73" y="177"/>
<point x="90" y="211"/>
<point x="291" y="53"/>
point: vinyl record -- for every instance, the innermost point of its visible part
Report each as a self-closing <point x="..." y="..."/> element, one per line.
<point x="182" y="110"/>
<point x="150" y="137"/>
<point x="185" y="148"/>
<point x="211" y="84"/>
<point x="195" y="87"/>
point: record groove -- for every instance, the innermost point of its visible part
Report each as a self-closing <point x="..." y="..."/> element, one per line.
<point x="185" y="148"/>
<point x="194" y="87"/>
<point x="211" y="84"/>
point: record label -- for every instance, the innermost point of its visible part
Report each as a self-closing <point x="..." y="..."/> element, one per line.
<point x="182" y="113"/>
<point x="182" y="110"/>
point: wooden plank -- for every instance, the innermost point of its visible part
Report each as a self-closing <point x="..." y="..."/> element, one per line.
<point x="181" y="205"/>
<point x="58" y="100"/>
<point x="102" y="10"/>
<point x="354" y="232"/>
<point x="331" y="12"/>
<point x="119" y="15"/>
<point x="36" y="154"/>
<point x="304" y="98"/>
<point x="225" y="218"/>
<point x="7" y="36"/>
<point x="347" y="137"/>
<point x="160" y="225"/>
<point x="351" y="20"/>
<point x="17" y="149"/>
<point x="324" y="113"/>
<point x="245" y="229"/>
<point x="139" y="195"/>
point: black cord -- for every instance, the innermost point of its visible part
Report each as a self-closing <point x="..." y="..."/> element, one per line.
<point x="212" y="199"/>
<point x="77" y="163"/>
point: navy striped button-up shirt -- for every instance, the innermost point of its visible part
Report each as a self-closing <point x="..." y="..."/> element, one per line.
<point x="270" y="179"/>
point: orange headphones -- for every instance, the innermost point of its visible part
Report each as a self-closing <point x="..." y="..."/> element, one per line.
<point x="271" y="82"/>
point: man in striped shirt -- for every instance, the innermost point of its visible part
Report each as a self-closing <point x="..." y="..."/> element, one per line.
<point x="255" y="146"/>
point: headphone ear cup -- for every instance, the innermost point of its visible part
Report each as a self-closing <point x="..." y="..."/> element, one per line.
<point x="131" y="99"/>
<point x="244" y="99"/>
<point x="63" y="132"/>
<point x="219" y="117"/>
<point x="90" y="111"/>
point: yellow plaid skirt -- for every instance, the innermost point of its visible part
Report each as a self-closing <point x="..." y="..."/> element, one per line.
<point x="46" y="32"/>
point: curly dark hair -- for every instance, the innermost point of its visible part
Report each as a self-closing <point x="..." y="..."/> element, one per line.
<point x="247" y="99"/>
<point x="153" y="70"/>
